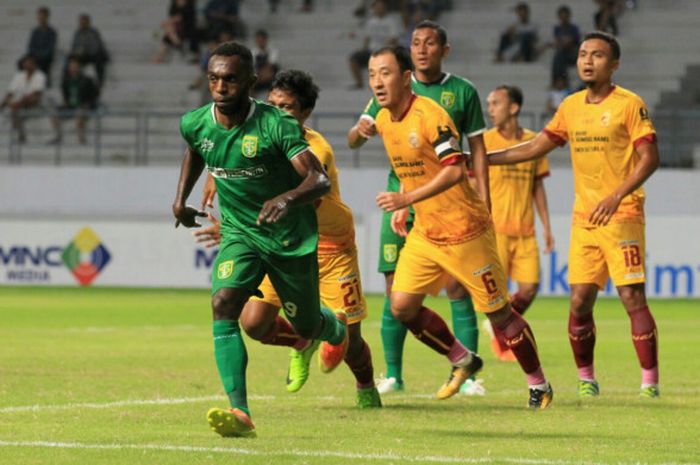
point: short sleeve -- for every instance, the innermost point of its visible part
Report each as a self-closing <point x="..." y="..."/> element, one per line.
<point x="184" y="132"/>
<point x="542" y="167"/>
<point x="556" y="129"/>
<point x="15" y="83"/>
<point x="288" y="136"/>
<point x="638" y="123"/>
<point x="474" y="123"/>
<point x="442" y="134"/>
<point x="371" y="110"/>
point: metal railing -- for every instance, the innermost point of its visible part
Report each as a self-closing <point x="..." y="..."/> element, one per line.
<point x="152" y="137"/>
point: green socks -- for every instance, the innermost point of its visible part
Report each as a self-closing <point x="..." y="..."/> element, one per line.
<point x="464" y="323"/>
<point x="393" y="337"/>
<point x="231" y="360"/>
<point x="332" y="330"/>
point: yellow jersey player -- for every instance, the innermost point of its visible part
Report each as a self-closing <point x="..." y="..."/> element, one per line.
<point x="452" y="233"/>
<point x="460" y="99"/>
<point x="340" y="285"/>
<point x="514" y="190"/>
<point x="613" y="152"/>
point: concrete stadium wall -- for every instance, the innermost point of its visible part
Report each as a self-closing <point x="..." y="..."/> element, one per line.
<point x="130" y="239"/>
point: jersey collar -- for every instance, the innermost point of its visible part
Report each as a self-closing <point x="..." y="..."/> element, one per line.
<point x="251" y="110"/>
<point x="441" y="81"/>
<point x="612" y="89"/>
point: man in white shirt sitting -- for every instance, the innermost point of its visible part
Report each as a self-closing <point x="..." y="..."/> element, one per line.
<point x="25" y="92"/>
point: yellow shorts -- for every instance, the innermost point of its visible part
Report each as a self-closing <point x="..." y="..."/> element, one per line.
<point x="616" y="251"/>
<point x="340" y="285"/>
<point x="520" y="257"/>
<point x="423" y="268"/>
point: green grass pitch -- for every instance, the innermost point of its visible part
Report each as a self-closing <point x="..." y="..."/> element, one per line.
<point x="123" y="376"/>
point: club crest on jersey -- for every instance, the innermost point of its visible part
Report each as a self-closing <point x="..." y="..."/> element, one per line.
<point x="447" y="99"/>
<point x="413" y="139"/>
<point x="249" y="146"/>
<point x="391" y="252"/>
<point x="225" y="269"/>
<point x="205" y="146"/>
<point x="605" y="119"/>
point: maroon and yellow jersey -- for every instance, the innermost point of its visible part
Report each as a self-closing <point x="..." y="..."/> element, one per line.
<point x="336" y="230"/>
<point x="512" y="186"/>
<point x="418" y="145"/>
<point x="603" y="138"/>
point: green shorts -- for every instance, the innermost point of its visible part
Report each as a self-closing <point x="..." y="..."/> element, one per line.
<point x="390" y="243"/>
<point x="241" y="266"/>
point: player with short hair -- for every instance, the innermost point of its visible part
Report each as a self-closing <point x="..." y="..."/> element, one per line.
<point x="613" y="152"/>
<point x="458" y="96"/>
<point x="340" y="286"/>
<point x="514" y="190"/>
<point x="266" y="178"/>
<point x="452" y="233"/>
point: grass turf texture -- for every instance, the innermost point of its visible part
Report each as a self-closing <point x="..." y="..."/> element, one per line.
<point x="75" y="364"/>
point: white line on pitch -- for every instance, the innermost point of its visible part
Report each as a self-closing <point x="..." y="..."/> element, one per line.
<point x="305" y="453"/>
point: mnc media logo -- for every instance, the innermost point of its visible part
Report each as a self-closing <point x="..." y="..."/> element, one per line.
<point x="85" y="256"/>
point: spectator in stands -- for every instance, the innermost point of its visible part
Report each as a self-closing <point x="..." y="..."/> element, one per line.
<point x="89" y="48"/>
<point x="25" y="93"/>
<point x="42" y="42"/>
<point x="266" y="61"/>
<point x="79" y="98"/>
<point x="605" y="19"/>
<point x="178" y="28"/>
<point x="558" y="91"/>
<point x="381" y="29"/>
<point x="520" y="39"/>
<point x="431" y="8"/>
<point x="566" y="40"/>
<point x="223" y="16"/>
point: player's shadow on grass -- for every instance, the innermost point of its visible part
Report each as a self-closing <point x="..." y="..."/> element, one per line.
<point x="451" y="406"/>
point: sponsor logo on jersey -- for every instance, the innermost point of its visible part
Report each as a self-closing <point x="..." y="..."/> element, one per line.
<point x="253" y="172"/>
<point x="447" y="99"/>
<point x="643" y="114"/>
<point x="249" y="146"/>
<point x="85" y="256"/>
<point x="225" y="269"/>
<point x="391" y="252"/>
<point x="205" y="146"/>
<point x="605" y="119"/>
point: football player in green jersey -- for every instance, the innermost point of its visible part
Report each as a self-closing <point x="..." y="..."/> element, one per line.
<point x="459" y="98"/>
<point x="267" y="179"/>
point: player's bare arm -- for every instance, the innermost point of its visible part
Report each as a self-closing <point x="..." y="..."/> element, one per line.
<point x="531" y="150"/>
<point x="361" y="132"/>
<point x="209" y="193"/>
<point x="648" y="163"/>
<point x="315" y="185"/>
<point x="480" y="166"/>
<point x="539" y="197"/>
<point x="190" y="170"/>
<point x="446" y="178"/>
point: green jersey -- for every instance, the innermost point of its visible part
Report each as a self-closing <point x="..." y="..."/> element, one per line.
<point x="251" y="164"/>
<point x="456" y="95"/>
